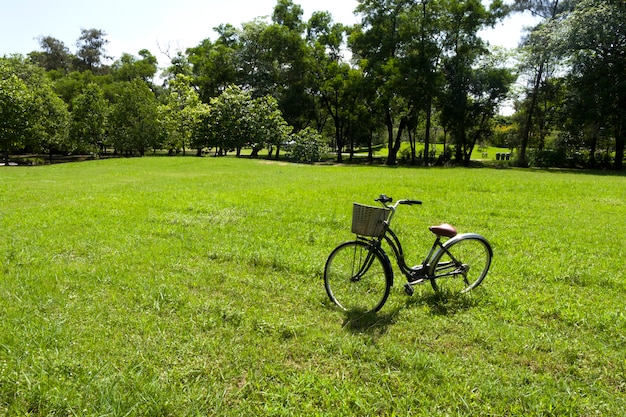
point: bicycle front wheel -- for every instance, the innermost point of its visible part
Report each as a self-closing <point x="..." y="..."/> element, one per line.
<point x="357" y="277"/>
<point x="461" y="264"/>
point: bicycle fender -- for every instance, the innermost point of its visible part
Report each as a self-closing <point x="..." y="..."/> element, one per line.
<point x="464" y="236"/>
<point x="388" y="268"/>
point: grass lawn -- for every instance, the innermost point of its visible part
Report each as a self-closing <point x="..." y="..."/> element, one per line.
<point x="193" y="286"/>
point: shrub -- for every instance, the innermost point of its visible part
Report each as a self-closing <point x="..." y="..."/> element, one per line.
<point x="308" y="146"/>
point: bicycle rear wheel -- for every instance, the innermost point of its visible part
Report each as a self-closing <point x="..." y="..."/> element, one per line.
<point x="357" y="277"/>
<point x="461" y="264"/>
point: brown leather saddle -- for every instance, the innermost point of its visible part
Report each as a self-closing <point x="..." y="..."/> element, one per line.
<point x="444" y="229"/>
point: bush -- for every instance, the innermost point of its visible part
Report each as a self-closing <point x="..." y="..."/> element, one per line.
<point x="307" y="146"/>
<point x="546" y="158"/>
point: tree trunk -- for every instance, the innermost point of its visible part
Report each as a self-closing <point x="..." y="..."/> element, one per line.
<point x="529" y="117"/>
<point x="427" y="134"/>
<point x="393" y="154"/>
<point x="619" y="146"/>
<point x="593" y="147"/>
<point x="370" y="151"/>
<point x="391" y="159"/>
<point x="339" y="141"/>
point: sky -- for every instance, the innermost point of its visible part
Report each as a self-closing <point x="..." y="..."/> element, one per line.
<point x="162" y="25"/>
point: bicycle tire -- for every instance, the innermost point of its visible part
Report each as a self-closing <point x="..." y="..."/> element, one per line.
<point x="461" y="264"/>
<point x="357" y="277"/>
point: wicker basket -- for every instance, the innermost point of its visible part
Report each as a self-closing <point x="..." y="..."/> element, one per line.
<point x="368" y="220"/>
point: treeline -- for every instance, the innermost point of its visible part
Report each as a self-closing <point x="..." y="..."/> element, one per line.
<point x="410" y="75"/>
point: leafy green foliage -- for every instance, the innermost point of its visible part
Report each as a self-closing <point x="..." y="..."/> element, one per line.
<point x="32" y="114"/>
<point x="134" y="124"/>
<point x="595" y="38"/>
<point x="235" y="119"/>
<point x="308" y="146"/>
<point x="408" y="71"/>
<point x="128" y="67"/>
<point x="90" y="111"/>
<point x="181" y="114"/>
<point x="15" y="99"/>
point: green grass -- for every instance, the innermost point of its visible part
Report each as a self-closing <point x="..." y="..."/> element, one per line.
<point x="193" y="286"/>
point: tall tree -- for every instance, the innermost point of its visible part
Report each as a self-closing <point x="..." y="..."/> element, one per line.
<point x="129" y="67"/>
<point x="274" y="59"/>
<point x="134" y="124"/>
<point x="91" y="51"/>
<point x="90" y="112"/>
<point x="332" y="77"/>
<point x="214" y="64"/>
<point x="32" y="114"/>
<point x="15" y="103"/>
<point x="595" y="39"/>
<point x="182" y="103"/>
<point x="289" y="49"/>
<point x="471" y="93"/>
<point x="378" y="48"/>
<point x="54" y="55"/>
<point x="538" y="60"/>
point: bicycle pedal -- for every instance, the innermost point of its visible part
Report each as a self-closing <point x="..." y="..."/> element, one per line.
<point x="408" y="289"/>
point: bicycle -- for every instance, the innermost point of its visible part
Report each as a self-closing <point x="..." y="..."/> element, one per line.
<point x="358" y="275"/>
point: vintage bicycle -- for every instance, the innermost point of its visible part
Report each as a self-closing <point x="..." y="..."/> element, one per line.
<point x="358" y="275"/>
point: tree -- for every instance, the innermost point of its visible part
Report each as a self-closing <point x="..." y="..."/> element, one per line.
<point x="50" y="130"/>
<point x="539" y="58"/>
<point x="472" y="92"/>
<point x="274" y="59"/>
<point x="15" y="100"/>
<point x="403" y="48"/>
<point x="215" y="63"/>
<point x="234" y="119"/>
<point x="91" y="51"/>
<point x="179" y="64"/>
<point x="134" y="123"/>
<point x="227" y="122"/>
<point x="595" y="39"/>
<point x="54" y="55"/>
<point x="332" y="76"/>
<point x="32" y="115"/>
<point x="129" y="67"/>
<point x="89" y="119"/>
<point x="424" y="53"/>
<point x="267" y="125"/>
<point x="181" y="105"/>
<point x="378" y="48"/>
<point x="289" y="49"/>
<point x="308" y="146"/>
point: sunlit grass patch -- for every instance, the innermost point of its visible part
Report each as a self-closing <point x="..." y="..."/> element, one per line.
<point x="192" y="286"/>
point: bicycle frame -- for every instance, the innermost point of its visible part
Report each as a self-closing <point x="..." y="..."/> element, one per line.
<point x="411" y="273"/>
<point x="452" y="268"/>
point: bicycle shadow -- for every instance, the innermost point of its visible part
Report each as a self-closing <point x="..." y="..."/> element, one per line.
<point x="374" y="324"/>
<point x="442" y="303"/>
<point x="438" y="303"/>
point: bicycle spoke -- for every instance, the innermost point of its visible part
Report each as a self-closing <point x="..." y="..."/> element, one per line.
<point x="356" y="277"/>
<point x="461" y="265"/>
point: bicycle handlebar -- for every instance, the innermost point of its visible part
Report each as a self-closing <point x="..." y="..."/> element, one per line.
<point x="384" y="200"/>
<point x="409" y="202"/>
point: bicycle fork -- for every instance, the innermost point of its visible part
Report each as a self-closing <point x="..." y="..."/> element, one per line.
<point x="364" y="266"/>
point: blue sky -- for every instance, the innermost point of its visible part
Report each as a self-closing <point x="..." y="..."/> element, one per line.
<point x="167" y="24"/>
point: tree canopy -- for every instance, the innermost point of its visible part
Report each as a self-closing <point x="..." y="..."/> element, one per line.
<point x="410" y="75"/>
